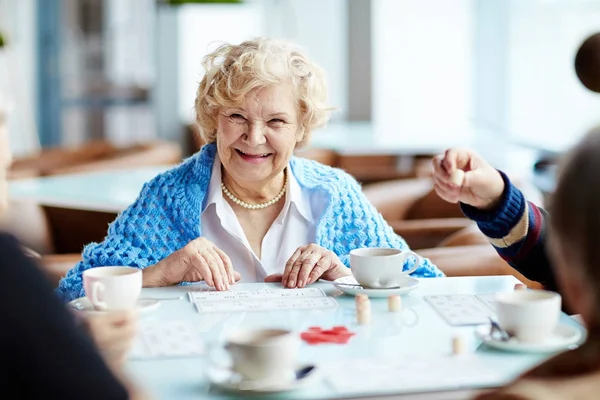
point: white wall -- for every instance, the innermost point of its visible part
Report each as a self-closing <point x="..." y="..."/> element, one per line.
<point x="547" y="105"/>
<point x="201" y="29"/>
<point x="319" y="26"/>
<point x="422" y="70"/>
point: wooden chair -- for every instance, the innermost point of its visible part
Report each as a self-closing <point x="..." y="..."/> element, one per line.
<point x="92" y="156"/>
<point x="414" y="210"/>
<point x="29" y="222"/>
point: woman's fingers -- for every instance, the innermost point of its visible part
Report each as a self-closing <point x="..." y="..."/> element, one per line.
<point x="447" y="193"/>
<point x="438" y="168"/>
<point x="111" y="329"/>
<point x="203" y="267"/>
<point x="289" y="265"/>
<point x="303" y="266"/>
<point x="228" y="265"/>
<point x="321" y="266"/>
<point x="221" y="278"/>
<point x="274" y="278"/>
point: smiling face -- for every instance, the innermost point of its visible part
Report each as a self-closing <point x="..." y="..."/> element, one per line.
<point x="256" y="140"/>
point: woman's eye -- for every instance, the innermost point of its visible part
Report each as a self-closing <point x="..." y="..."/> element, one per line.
<point x="276" y="121"/>
<point x="237" y="117"/>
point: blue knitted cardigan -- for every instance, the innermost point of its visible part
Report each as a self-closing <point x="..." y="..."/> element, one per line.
<point x="166" y="216"/>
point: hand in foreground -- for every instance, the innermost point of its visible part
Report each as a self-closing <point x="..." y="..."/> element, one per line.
<point x="307" y="265"/>
<point x="199" y="260"/>
<point x="113" y="333"/>
<point x="461" y="175"/>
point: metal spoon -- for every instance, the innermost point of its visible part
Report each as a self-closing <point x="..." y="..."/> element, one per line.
<point x="162" y="298"/>
<point x="359" y="286"/>
<point x="497" y="332"/>
<point x="263" y="384"/>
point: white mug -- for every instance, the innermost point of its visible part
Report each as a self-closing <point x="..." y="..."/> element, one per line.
<point x="529" y="315"/>
<point x="264" y="354"/>
<point x="112" y="288"/>
<point x="381" y="267"/>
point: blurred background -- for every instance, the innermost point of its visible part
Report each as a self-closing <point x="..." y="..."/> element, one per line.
<point x="108" y="85"/>
<point x="419" y="72"/>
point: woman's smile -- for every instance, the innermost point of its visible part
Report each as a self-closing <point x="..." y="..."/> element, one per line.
<point x="253" y="157"/>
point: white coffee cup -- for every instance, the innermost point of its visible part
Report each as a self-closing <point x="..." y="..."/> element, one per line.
<point x="381" y="267"/>
<point x="529" y="315"/>
<point x="112" y="288"/>
<point x="264" y="354"/>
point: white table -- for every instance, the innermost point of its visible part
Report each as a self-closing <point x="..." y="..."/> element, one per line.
<point x="385" y="339"/>
<point x="105" y="191"/>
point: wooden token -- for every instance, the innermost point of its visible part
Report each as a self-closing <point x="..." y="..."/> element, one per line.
<point x="457" y="177"/>
<point x="363" y="309"/>
<point x="363" y="317"/>
<point x="458" y="345"/>
<point x="394" y="303"/>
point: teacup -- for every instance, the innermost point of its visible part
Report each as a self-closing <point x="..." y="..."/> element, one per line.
<point x="112" y="288"/>
<point x="381" y="267"/>
<point x="264" y="354"/>
<point x="529" y="315"/>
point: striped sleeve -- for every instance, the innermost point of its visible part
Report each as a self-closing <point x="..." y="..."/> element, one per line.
<point x="516" y="228"/>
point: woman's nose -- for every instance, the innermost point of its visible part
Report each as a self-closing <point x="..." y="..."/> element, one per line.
<point x="255" y="135"/>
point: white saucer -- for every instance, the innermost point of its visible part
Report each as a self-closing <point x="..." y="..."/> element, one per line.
<point x="564" y="337"/>
<point x="83" y="304"/>
<point x="227" y="380"/>
<point x="345" y="284"/>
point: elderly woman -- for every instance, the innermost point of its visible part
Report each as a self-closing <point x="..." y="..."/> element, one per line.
<point x="244" y="207"/>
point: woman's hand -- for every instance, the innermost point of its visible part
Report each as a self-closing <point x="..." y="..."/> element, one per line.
<point x="461" y="175"/>
<point x="113" y="333"/>
<point x="309" y="263"/>
<point x="199" y="260"/>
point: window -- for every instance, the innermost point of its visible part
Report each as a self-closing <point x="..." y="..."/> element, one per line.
<point x="422" y="70"/>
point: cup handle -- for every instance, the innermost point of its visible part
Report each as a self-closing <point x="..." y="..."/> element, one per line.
<point x="418" y="261"/>
<point x="97" y="288"/>
<point x="219" y="356"/>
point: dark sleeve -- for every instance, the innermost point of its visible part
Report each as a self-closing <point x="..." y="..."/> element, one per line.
<point x="517" y="230"/>
<point x="44" y="353"/>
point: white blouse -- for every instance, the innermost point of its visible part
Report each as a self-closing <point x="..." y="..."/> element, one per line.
<point x="294" y="227"/>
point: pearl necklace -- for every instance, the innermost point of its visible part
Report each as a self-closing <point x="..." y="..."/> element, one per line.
<point x="255" y="206"/>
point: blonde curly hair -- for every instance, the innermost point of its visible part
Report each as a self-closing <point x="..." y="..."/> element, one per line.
<point x="232" y="71"/>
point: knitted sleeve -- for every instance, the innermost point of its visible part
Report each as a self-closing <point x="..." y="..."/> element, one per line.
<point x="517" y="230"/>
<point x="356" y="223"/>
<point x="139" y="237"/>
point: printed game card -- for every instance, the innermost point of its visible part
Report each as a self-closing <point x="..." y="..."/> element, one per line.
<point x="214" y="295"/>
<point x="272" y="304"/>
<point x="173" y="339"/>
<point x="462" y="309"/>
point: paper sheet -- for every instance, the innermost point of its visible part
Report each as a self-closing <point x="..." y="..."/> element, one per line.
<point x="463" y="309"/>
<point x="172" y="339"/>
<point x="272" y="304"/>
<point x="255" y="294"/>
<point x="411" y="372"/>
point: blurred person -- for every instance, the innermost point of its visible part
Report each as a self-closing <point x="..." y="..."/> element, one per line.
<point x="43" y="350"/>
<point x="574" y="224"/>
<point x="515" y="227"/>
<point x="244" y="207"/>
<point x="587" y="63"/>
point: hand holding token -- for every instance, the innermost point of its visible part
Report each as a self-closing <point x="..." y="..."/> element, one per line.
<point x="461" y="175"/>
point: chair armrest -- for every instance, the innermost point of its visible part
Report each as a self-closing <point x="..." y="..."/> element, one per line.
<point x="57" y="265"/>
<point x="476" y="260"/>
<point x="427" y="233"/>
<point x="468" y="236"/>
